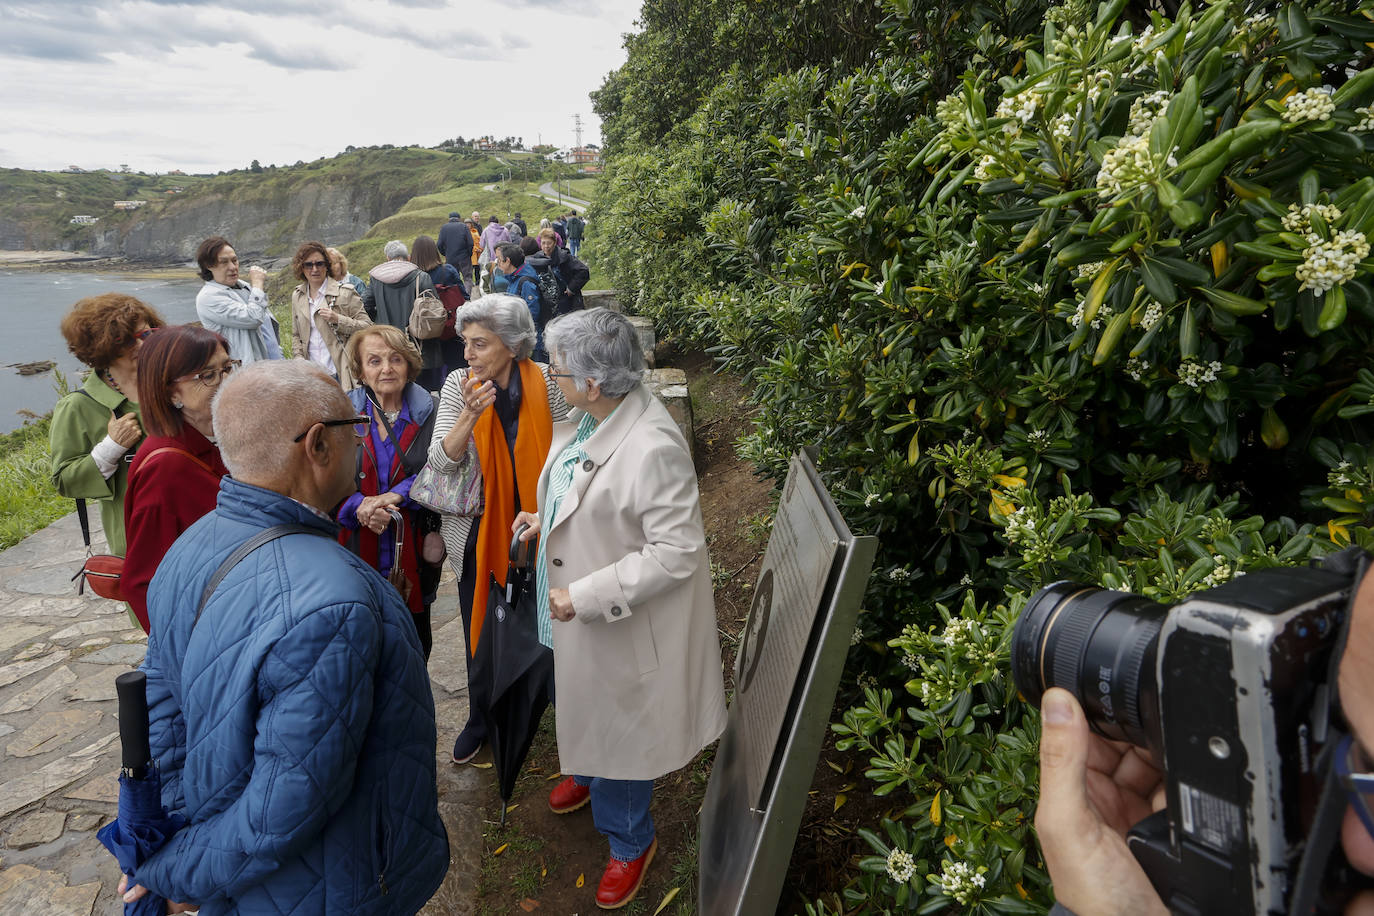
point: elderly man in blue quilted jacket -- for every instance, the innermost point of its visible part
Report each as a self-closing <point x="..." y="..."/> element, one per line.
<point x="292" y="720"/>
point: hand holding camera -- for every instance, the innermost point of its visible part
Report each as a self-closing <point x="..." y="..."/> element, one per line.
<point x="1218" y="779"/>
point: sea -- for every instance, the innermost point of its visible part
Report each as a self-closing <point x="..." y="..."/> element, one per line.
<point x="34" y="302"/>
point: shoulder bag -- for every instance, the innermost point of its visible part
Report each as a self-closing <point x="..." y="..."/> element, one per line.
<point x="427" y="315"/>
<point x="102" y="571"/>
<point x="458" y="493"/>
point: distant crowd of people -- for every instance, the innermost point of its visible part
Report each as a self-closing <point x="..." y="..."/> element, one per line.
<point x="290" y="711"/>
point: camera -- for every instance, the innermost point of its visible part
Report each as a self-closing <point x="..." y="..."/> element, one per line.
<point x="1228" y="691"/>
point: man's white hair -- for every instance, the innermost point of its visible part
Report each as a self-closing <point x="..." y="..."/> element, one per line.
<point x="262" y="407"/>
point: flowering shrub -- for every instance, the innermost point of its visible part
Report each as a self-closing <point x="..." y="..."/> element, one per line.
<point x="1068" y="293"/>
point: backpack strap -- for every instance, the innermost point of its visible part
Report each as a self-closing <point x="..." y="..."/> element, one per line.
<point x="243" y="550"/>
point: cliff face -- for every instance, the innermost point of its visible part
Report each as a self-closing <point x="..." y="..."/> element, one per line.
<point x="255" y="224"/>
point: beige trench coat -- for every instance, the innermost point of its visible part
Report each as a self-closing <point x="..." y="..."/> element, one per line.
<point x="343" y="299"/>
<point x="638" y="670"/>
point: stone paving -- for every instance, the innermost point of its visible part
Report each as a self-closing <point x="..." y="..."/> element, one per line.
<point x="59" y="656"/>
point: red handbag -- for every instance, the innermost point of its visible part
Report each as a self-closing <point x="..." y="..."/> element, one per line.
<point x="100" y="571"/>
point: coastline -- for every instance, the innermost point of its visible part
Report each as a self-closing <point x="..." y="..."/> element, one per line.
<point x="78" y="260"/>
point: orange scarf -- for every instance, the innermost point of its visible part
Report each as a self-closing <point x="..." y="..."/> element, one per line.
<point x="499" y="485"/>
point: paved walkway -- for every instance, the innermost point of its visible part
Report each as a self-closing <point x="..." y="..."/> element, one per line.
<point x="550" y="193"/>
<point x="59" y="656"/>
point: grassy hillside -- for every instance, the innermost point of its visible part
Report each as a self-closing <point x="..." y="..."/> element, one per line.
<point x="36" y="207"/>
<point x="40" y="205"/>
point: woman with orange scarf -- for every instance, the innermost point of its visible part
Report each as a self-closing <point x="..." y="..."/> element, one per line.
<point x="495" y="419"/>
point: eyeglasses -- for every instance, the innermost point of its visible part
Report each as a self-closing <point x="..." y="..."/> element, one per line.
<point x="315" y="265"/>
<point x="1351" y="770"/>
<point x="553" y="374"/>
<point x="211" y="378"/>
<point x="361" y="424"/>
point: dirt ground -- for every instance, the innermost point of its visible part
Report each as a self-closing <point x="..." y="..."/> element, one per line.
<point x="545" y="863"/>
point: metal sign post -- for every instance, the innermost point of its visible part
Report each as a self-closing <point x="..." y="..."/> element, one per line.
<point x="791" y="656"/>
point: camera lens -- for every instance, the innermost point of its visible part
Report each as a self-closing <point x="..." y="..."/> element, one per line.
<point x="1100" y="646"/>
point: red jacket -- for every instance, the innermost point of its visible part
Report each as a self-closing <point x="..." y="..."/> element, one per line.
<point x="168" y="491"/>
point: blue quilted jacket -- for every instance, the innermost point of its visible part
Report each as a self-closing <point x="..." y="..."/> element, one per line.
<point x="294" y="725"/>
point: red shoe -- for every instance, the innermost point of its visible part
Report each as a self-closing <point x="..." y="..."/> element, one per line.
<point x="621" y="881"/>
<point x="568" y="796"/>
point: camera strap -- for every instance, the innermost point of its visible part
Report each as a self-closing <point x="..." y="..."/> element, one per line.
<point x="1326" y="820"/>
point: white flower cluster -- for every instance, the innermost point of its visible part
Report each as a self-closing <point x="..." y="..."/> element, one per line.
<point x="1328" y="264"/>
<point x="1076" y="318"/>
<point x="1222" y="572"/>
<point x="1145" y="110"/>
<point x="1309" y="105"/>
<point x="857" y="636"/>
<point x="1366" y="118"/>
<point x="936" y="693"/>
<point x="1103" y="313"/>
<point x="965" y="579"/>
<point x="1061" y="128"/>
<point x="1144" y="38"/>
<point x="858" y="212"/>
<point x="952" y="112"/>
<point x="1299" y="218"/>
<point x="960" y="881"/>
<point x="1125" y="165"/>
<point x="958" y="632"/>
<point x="1137" y="368"/>
<point x="872" y="500"/>
<point x="1195" y="374"/>
<point x="1153" y="313"/>
<point x="901" y="867"/>
<point x="1020" y="525"/>
<point x="1020" y="107"/>
<point x="1097" y="84"/>
<point x="1339" y="476"/>
<point x="1259" y="22"/>
<point x="1039" y="438"/>
<point x="985" y="170"/>
<point x="1091" y="269"/>
<point x="900" y="574"/>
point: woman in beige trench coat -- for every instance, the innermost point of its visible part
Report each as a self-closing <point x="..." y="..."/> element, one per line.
<point x="622" y="570"/>
<point x="324" y="314"/>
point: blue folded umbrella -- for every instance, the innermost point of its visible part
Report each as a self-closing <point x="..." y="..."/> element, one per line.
<point x="143" y="825"/>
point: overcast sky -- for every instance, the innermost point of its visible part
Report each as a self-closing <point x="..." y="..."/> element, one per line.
<point x="202" y="87"/>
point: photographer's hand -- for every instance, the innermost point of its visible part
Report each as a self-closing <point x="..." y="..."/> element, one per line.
<point x="1091" y="792"/>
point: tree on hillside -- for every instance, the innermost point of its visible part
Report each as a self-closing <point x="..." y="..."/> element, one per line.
<point x="255" y="166"/>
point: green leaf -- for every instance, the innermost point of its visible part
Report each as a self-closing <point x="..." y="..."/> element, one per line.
<point x="1156" y="280"/>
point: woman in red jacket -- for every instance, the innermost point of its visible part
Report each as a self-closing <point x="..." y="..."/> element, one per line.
<point x="175" y="478"/>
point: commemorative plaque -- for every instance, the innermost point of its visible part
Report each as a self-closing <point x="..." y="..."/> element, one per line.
<point x="791" y="656"/>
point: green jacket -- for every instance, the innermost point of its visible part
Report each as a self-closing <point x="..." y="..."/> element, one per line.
<point x="78" y="423"/>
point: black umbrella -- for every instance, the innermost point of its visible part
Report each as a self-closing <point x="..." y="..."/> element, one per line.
<point x="521" y="670"/>
<point x="143" y="825"/>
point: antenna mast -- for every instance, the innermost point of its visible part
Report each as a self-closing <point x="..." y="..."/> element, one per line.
<point x="577" y="129"/>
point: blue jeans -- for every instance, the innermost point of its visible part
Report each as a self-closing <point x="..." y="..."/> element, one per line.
<point x="574" y="245"/>
<point x="620" y="811"/>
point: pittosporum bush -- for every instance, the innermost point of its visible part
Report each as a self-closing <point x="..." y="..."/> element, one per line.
<point x="1055" y="294"/>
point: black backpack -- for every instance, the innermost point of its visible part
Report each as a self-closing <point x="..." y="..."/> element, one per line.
<point x="546" y="305"/>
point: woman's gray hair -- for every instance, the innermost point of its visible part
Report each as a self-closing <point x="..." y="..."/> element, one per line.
<point x="600" y="345"/>
<point x="506" y="316"/>
<point x="395" y="249"/>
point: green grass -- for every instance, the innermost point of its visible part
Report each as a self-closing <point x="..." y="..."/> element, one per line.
<point x="583" y="188"/>
<point x="28" y="501"/>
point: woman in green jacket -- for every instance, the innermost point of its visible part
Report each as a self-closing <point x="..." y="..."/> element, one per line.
<point x="96" y="427"/>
